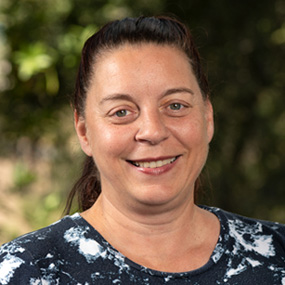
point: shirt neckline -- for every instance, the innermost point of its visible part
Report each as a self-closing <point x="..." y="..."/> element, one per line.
<point x="214" y="258"/>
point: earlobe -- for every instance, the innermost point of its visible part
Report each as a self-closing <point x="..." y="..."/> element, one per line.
<point x="81" y="130"/>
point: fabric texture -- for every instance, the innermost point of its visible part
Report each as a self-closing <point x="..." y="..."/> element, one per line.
<point x="71" y="251"/>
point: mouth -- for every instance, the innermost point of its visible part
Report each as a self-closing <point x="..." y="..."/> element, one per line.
<point x="153" y="163"/>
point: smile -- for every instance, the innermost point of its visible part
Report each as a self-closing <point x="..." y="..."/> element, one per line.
<point x="153" y="164"/>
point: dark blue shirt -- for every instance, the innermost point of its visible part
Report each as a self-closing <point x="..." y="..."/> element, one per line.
<point x="71" y="251"/>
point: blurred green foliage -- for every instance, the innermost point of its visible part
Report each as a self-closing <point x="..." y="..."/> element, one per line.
<point x="22" y="176"/>
<point x="242" y="44"/>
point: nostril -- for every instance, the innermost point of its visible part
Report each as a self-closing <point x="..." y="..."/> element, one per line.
<point x="152" y="131"/>
<point x="151" y="137"/>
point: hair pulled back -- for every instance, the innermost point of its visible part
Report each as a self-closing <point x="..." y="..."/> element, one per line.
<point x="159" y="30"/>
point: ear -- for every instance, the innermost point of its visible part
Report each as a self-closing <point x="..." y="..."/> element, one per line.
<point x="81" y="130"/>
<point x="209" y="120"/>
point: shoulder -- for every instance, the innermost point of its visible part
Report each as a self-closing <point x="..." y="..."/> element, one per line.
<point x="49" y="235"/>
<point x="21" y="257"/>
<point x="252" y="235"/>
<point x="250" y="249"/>
<point x="241" y="223"/>
<point x="251" y="223"/>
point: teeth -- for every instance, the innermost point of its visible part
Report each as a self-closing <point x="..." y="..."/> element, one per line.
<point x="154" y="164"/>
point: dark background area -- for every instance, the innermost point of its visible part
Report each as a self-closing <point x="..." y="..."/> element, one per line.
<point x="242" y="44"/>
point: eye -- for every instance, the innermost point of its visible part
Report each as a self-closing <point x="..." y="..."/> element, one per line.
<point x="176" y="106"/>
<point x="121" y="113"/>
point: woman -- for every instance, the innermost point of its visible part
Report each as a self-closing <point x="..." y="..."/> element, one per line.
<point x="144" y="119"/>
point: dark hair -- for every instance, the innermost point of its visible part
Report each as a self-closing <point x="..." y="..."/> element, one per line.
<point x="160" y="30"/>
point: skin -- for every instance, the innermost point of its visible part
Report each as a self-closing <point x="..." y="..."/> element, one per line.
<point x="143" y="105"/>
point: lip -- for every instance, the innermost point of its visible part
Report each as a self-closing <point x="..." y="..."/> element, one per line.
<point x="157" y="170"/>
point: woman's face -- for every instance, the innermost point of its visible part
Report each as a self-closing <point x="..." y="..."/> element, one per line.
<point x="146" y="125"/>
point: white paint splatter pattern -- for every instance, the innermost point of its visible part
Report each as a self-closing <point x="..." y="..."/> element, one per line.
<point x="70" y="251"/>
<point x="8" y="267"/>
<point x="247" y="238"/>
<point x="89" y="248"/>
<point x="256" y="241"/>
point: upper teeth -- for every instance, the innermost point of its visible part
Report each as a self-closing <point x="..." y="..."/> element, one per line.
<point x="154" y="164"/>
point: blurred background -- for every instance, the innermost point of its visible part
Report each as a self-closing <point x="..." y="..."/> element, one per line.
<point x="243" y="47"/>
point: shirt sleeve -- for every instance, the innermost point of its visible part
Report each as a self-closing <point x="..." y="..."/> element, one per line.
<point x="17" y="265"/>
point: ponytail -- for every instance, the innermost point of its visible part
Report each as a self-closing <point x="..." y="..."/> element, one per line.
<point x="87" y="188"/>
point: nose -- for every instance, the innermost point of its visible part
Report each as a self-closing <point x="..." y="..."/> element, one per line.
<point x="152" y="128"/>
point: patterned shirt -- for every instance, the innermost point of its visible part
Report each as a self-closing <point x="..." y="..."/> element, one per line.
<point x="71" y="251"/>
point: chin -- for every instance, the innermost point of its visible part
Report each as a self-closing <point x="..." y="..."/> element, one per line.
<point x="158" y="197"/>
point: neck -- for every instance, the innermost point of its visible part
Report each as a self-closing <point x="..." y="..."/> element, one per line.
<point x="145" y="219"/>
<point x="161" y="239"/>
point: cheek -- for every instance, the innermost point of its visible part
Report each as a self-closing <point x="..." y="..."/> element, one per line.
<point x="191" y="131"/>
<point x="110" y="141"/>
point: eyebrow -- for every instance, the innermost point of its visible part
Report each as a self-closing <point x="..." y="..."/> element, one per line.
<point x="177" y="90"/>
<point x="121" y="96"/>
<point x="117" y="97"/>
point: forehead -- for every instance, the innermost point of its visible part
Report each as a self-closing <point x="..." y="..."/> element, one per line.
<point x="148" y="68"/>
<point x="139" y="53"/>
